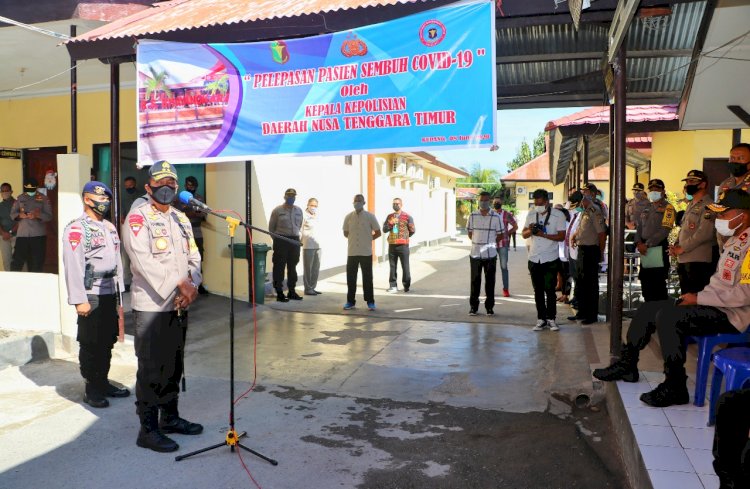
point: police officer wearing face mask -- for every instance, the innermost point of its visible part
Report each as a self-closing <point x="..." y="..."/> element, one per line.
<point x="33" y="211"/>
<point x="286" y="220"/>
<point x="93" y="276"/>
<point x="656" y="222"/>
<point x="635" y="206"/>
<point x="723" y="306"/>
<point x="694" y="246"/>
<point x="166" y="270"/>
<point x="739" y="170"/>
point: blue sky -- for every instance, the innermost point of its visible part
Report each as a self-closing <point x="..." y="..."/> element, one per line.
<point x="513" y="126"/>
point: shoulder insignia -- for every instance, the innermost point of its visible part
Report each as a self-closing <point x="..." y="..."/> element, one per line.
<point x="74" y="238"/>
<point x="135" y="221"/>
<point x="669" y="217"/>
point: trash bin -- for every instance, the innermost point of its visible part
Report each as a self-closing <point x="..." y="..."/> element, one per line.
<point x="259" y="254"/>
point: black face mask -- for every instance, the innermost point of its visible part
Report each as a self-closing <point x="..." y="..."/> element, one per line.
<point x="163" y="194"/>
<point x="396" y="207"/>
<point x="130" y="190"/>
<point x="691" y="189"/>
<point x="737" y="169"/>
<point x="497" y="206"/>
<point x="100" y="208"/>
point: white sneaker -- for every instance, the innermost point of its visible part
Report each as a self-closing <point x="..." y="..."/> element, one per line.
<point x="392" y="290"/>
<point x="540" y="324"/>
<point x="553" y="325"/>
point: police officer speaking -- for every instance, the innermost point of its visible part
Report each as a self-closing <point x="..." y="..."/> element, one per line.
<point x="93" y="276"/>
<point x="166" y="268"/>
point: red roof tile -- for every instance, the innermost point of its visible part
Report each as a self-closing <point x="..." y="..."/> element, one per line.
<point x="188" y="14"/>
<point x="600" y="115"/>
<point x="535" y="170"/>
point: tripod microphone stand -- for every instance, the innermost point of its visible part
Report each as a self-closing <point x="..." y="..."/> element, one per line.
<point x="232" y="438"/>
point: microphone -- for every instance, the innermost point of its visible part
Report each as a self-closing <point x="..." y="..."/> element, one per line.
<point x="188" y="199"/>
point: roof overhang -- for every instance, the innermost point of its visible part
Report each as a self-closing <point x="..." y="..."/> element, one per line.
<point x="445" y="168"/>
<point x="719" y="75"/>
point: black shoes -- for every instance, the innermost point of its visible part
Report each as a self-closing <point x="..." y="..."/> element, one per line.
<point x="180" y="426"/>
<point x="472" y="312"/>
<point x="589" y="321"/>
<point x="294" y="296"/>
<point x="114" y="391"/>
<point x="95" y="400"/>
<point x="667" y="394"/>
<point x="280" y="297"/>
<point x="156" y="441"/>
<point x="575" y="318"/>
<point x="620" y="370"/>
<point x="490" y="312"/>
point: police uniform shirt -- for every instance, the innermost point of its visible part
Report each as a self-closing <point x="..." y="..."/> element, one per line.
<point x="31" y="228"/>
<point x="728" y="184"/>
<point x="592" y="224"/>
<point x="634" y="208"/>
<point x="197" y="219"/>
<point x="286" y="221"/>
<point x="162" y="254"/>
<point x="542" y="250"/>
<point x="657" y="220"/>
<point x="697" y="232"/>
<point x="729" y="288"/>
<point x="96" y="243"/>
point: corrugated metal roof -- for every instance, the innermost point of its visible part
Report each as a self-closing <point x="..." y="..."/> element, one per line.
<point x="189" y="14"/>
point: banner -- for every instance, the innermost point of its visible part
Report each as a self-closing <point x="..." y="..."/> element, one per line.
<point x="419" y="83"/>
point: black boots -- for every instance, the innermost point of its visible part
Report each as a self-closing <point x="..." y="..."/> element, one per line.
<point x="150" y="436"/>
<point x="94" y="397"/>
<point x="626" y="368"/>
<point x="171" y="422"/>
<point x="110" y="390"/>
<point x="280" y="297"/>
<point x="673" y="391"/>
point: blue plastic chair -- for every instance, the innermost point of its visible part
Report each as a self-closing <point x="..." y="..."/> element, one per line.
<point x="734" y="364"/>
<point x="706" y="346"/>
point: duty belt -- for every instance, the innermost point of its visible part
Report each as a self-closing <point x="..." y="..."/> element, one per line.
<point x="107" y="274"/>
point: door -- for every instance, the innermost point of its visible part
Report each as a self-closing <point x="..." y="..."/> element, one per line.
<point x="41" y="163"/>
<point x="717" y="170"/>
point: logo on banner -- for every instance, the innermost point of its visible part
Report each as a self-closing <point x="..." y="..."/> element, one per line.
<point x="353" y="47"/>
<point x="432" y="33"/>
<point x="279" y="52"/>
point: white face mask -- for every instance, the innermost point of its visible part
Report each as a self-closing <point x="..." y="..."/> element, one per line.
<point x="540" y="209"/>
<point x="722" y="226"/>
<point x="654" y="196"/>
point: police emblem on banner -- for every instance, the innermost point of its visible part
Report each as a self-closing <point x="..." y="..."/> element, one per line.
<point x="279" y="52"/>
<point x="432" y="33"/>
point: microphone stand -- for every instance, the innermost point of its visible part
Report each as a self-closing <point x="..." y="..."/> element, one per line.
<point x="232" y="438"/>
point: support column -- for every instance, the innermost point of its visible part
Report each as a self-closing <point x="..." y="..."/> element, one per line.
<point x="612" y="188"/>
<point x="73" y="99"/>
<point x="371" y="193"/>
<point x="617" y="225"/>
<point x="585" y="160"/>
<point x="114" y="139"/>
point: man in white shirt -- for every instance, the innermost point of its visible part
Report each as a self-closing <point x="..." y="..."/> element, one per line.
<point x="361" y="228"/>
<point x="544" y="228"/>
<point x="485" y="228"/>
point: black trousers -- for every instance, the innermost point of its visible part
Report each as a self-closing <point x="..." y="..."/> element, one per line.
<point x="31" y="252"/>
<point x="285" y="256"/>
<point x="673" y="323"/>
<point x="159" y="346"/>
<point x="97" y="334"/>
<point x="654" y="280"/>
<point x="544" y="279"/>
<point x="353" y="264"/>
<point x="565" y="275"/>
<point x="398" y="252"/>
<point x="731" y="442"/>
<point x="694" y="276"/>
<point x="588" y="273"/>
<point x="489" y="268"/>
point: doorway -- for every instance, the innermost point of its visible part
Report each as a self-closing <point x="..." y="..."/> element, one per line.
<point x="717" y="170"/>
<point x="41" y="163"/>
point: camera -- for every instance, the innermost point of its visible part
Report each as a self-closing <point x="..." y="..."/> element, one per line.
<point x="536" y="229"/>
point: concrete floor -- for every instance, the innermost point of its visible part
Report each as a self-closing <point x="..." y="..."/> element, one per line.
<point x="417" y="394"/>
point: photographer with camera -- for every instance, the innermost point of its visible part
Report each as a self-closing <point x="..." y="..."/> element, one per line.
<point x="544" y="228"/>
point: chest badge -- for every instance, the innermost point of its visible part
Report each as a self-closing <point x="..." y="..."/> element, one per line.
<point x="161" y="244"/>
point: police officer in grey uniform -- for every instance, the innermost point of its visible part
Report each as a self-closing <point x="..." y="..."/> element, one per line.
<point x="196" y="217"/>
<point x="166" y="268"/>
<point x="694" y="246"/>
<point x="739" y="170"/>
<point x="32" y="210"/>
<point x="93" y="276"/>
<point x="591" y="239"/>
<point x="654" y="227"/>
<point x="635" y="206"/>
<point x="286" y="220"/>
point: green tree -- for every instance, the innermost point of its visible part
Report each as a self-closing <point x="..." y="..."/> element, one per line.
<point x="526" y="153"/>
<point x="221" y="85"/>
<point x="539" y="145"/>
<point x="157" y="82"/>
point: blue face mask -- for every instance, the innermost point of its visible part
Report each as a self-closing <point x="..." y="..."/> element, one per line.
<point x="290" y="200"/>
<point x="688" y="197"/>
<point x="31" y="193"/>
<point x="579" y="209"/>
